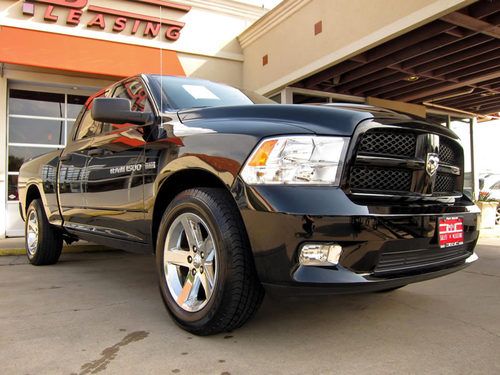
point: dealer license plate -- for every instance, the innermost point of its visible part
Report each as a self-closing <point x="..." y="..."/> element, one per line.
<point x="451" y="231"/>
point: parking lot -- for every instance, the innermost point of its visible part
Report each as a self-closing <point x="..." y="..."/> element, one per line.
<point x="101" y="312"/>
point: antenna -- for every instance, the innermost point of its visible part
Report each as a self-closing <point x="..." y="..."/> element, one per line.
<point x="161" y="65"/>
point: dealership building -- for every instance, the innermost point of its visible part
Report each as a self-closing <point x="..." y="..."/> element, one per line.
<point x="436" y="59"/>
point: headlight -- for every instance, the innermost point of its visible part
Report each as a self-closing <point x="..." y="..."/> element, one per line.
<point x="296" y="160"/>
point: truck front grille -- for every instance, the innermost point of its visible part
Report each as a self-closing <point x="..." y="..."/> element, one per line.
<point x="388" y="143"/>
<point x="445" y="183"/>
<point x="401" y="261"/>
<point x="369" y="178"/>
<point x="393" y="161"/>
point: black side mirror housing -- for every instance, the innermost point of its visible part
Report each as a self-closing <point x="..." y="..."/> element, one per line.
<point x="117" y="111"/>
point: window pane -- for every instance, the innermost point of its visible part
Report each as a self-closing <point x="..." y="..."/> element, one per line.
<point x="75" y="104"/>
<point x="34" y="103"/>
<point x="12" y="196"/>
<point x="23" y="130"/>
<point x="18" y="155"/>
<point x="88" y="127"/>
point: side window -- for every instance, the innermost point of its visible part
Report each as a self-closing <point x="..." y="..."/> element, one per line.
<point x="88" y="127"/>
<point x="135" y="92"/>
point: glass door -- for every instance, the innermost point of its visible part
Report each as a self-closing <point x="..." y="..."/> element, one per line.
<point x="38" y="122"/>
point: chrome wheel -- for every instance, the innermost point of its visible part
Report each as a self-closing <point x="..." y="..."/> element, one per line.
<point x="32" y="232"/>
<point x="189" y="261"/>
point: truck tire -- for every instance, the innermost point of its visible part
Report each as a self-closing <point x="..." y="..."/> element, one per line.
<point x="43" y="242"/>
<point x="207" y="275"/>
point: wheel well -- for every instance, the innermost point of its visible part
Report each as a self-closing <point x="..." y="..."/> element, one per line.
<point x="180" y="181"/>
<point x="32" y="194"/>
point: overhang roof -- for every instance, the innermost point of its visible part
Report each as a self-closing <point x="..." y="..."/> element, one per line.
<point x="453" y="61"/>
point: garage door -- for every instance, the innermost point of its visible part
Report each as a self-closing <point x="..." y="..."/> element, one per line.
<point x="39" y="121"/>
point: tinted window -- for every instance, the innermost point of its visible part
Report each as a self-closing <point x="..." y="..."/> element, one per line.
<point x="135" y="92"/>
<point x="88" y="127"/>
<point x="139" y="101"/>
<point x="175" y="93"/>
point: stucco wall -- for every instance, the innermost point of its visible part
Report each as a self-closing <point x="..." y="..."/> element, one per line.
<point x="349" y="26"/>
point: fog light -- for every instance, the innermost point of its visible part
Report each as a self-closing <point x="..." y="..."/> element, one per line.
<point x="318" y="254"/>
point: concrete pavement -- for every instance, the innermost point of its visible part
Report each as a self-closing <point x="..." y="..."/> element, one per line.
<point x="102" y="313"/>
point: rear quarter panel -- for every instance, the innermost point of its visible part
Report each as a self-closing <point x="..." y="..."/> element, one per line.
<point x="41" y="172"/>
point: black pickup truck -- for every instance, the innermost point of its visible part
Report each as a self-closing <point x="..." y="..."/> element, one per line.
<point x="234" y="194"/>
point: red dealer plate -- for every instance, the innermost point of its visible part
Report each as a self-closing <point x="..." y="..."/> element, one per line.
<point x="451" y="231"/>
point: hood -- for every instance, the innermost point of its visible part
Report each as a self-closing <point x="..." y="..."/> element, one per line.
<point x="309" y="118"/>
<point x="329" y="119"/>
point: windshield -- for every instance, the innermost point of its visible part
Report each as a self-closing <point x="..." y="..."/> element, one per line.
<point x="177" y="93"/>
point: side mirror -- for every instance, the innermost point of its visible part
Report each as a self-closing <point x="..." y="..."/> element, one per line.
<point x="117" y="111"/>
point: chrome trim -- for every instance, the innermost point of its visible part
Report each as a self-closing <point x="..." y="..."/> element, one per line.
<point x="101" y="231"/>
<point x="418" y="196"/>
<point x="447" y="168"/>
<point x="472" y="258"/>
<point x="383" y="161"/>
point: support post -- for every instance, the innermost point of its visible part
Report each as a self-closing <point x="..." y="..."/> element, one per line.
<point x="475" y="178"/>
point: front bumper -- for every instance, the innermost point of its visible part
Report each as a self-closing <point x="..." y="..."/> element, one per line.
<point x="385" y="244"/>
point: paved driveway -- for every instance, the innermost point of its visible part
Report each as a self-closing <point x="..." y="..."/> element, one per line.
<point x="102" y="313"/>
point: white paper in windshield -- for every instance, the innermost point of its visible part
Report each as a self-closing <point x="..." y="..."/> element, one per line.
<point x="200" y="92"/>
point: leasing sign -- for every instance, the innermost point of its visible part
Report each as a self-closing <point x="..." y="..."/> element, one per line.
<point x="80" y="12"/>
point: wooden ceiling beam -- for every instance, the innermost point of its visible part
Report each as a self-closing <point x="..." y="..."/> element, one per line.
<point x="472" y="50"/>
<point x="394" y="77"/>
<point x="330" y="73"/>
<point x="424" y="85"/>
<point x="483" y="8"/>
<point x="478" y="100"/>
<point x="396" y="58"/>
<point x="457" y="93"/>
<point x="472" y="81"/>
<point x="471" y="23"/>
<point x="408" y="40"/>
<point x="490" y="65"/>
<point x="489" y="110"/>
<point x="350" y="87"/>
<point x="438" y="55"/>
<point x="401" y="85"/>
<point x="468" y="62"/>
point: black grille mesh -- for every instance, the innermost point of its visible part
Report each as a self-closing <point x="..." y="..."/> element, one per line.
<point x="397" y="261"/>
<point x="388" y="143"/>
<point x="371" y="175"/>
<point x="368" y="178"/>
<point x="445" y="183"/>
<point x="448" y="152"/>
